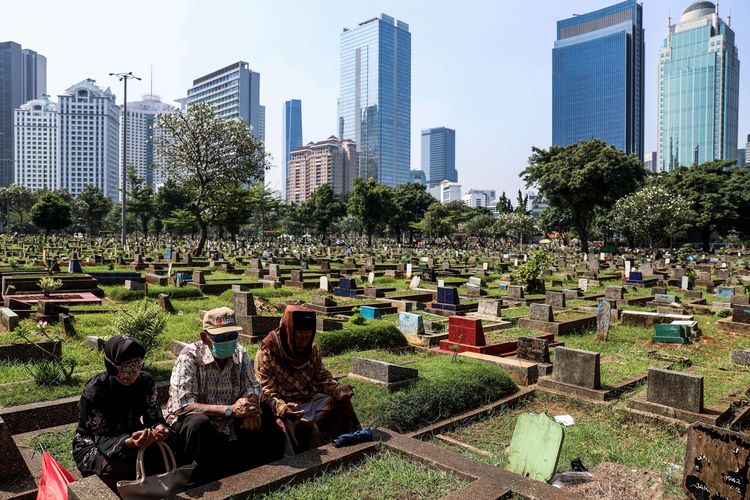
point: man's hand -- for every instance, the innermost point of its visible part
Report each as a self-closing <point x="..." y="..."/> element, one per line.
<point x="344" y="392"/>
<point x="243" y="407"/>
<point x="251" y="423"/>
<point x="293" y="412"/>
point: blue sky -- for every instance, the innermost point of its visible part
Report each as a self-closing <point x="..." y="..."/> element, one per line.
<point x="481" y="67"/>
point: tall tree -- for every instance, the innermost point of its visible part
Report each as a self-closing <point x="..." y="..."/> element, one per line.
<point x="203" y="153"/>
<point x="582" y="177"/>
<point x="51" y="212"/>
<point x="321" y="209"/>
<point x="504" y="204"/>
<point x="266" y="209"/>
<point x="372" y="204"/>
<point x="18" y="200"/>
<point x="522" y="203"/>
<point x="410" y="202"/>
<point x="140" y="200"/>
<point x="167" y="198"/>
<point x="91" y="207"/>
<point x="235" y="213"/>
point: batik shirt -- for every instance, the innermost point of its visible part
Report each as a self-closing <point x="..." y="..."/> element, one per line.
<point x="108" y="414"/>
<point x="283" y="383"/>
<point x="197" y="378"/>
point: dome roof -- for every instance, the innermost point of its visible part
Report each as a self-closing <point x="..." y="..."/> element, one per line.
<point x="697" y="10"/>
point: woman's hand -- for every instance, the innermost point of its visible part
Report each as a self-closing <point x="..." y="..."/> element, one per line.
<point x="146" y="438"/>
<point x="161" y="432"/>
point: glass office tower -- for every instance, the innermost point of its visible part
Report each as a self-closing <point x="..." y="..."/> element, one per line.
<point x="598" y="78"/>
<point x="375" y="97"/>
<point x="439" y="155"/>
<point x="292" y="138"/>
<point x="699" y="86"/>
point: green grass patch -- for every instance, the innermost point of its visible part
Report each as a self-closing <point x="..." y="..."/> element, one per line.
<point x="374" y="335"/>
<point x="122" y="295"/>
<point x="59" y="444"/>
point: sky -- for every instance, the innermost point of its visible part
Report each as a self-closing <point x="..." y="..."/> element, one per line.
<point x="481" y="67"/>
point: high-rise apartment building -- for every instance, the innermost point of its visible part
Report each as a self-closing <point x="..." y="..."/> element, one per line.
<point x="699" y="86"/>
<point x="331" y="161"/>
<point x="292" y="124"/>
<point x="747" y="150"/>
<point x="486" y="198"/>
<point x="439" y="155"/>
<point x="598" y="78"/>
<point x="649" y="165"/>
<point x="23" y="77"/>
<point x="234" y="92"/>
<point x="36" y="129"/>
<point x="262" y="123"/>
<point x="140" y="142"/>
<point x="89" y="139"/>
<point x="375" y="97"/>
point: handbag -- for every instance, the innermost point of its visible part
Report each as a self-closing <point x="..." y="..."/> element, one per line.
<point x="163" y="485"/>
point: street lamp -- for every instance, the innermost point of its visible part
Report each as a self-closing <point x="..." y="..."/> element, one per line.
<point x="124" y="77"/>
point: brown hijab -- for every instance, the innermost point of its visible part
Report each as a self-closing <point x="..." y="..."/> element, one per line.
<point x="279" y="341"/>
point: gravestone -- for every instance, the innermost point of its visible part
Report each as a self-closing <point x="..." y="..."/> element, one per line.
<point x="603" y="318"/>
<point x="515" y="292"/>
<point x="533" y="349"/>
<point x="659" y="290"/>
<point x="740" y="314"/>
<point x="448" y="295"/>
<point x="74" y="265"/>
<point x="411" y="324"/>
<point x="693" y="294"/>
<point x="535" y="446"/>
<point x="244" y="303"/>
<point x="717" y="463"/>
<point x="199" y="278"/>
<point x="725" y="292"/>
<point x="322" y="300"/>
<point x="369" y="312"/>
<point x="664" y="298"/>
<point x="324" y="284"/>
<point x="490" y="307"/>
<point x="370" y="278"/>
<point x="134" y="285"/>
<point x="614" y="293"/>
<point x="390" y="375"/>
<point x="541" y="312"/>
<point x="8" y="319"/>
<point x="66" y="324"/>
<point x="467" y="331"/>
<point x="408" y="270"/>
<point x="583" y="284"/>
<point x="555" y="299"/>
<point x="741" y="357"/>
<point x="165" y="304"/>
<point x="627" y="269"/>
<point x="675" y="389"/>
<point x="415" y="281"/>
<point x="577" y="367"/>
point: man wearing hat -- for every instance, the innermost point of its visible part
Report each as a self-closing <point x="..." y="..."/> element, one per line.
<point x="214" y="404"/>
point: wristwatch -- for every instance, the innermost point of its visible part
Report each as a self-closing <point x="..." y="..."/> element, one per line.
<point x="228" y="411"/>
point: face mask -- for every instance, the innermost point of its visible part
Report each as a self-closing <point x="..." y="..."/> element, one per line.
<point x="223" y="350"/>
<point x="128" y="371"/>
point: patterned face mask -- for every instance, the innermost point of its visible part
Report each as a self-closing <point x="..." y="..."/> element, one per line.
<point x="128" y="371"/>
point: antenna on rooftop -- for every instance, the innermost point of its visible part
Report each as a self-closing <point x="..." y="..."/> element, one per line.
<point x="729" y="18"/>
<point x="669" y="19"/>
<point x="152" y="80"/>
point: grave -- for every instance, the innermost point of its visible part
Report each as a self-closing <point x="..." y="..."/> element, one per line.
<point x="448" y="303"/>
<point x="603" y="318"/>
<point x="739" y="322"/>
<point x="467" y="335"/>
<point x="670" y="333"/>
<point x="717" y="463"/>
<point x="541" y="319"/>
<point x="554" y="299"/>
<point x="647" y="318"/>
<point x="347" y="288"/>
<point x="369" y="312"/>
<point x="535" y="446"/>
<point x="389" y="375"/>
<point x="675" y="396"/>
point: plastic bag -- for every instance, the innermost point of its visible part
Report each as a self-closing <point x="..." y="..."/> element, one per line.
<point x="53" y="484"/>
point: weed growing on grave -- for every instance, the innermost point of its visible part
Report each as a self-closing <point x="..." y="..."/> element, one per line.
<point x="145" y="321"/>
<point x="722" y="313"/>
<point x="48" y="284"/>
<point x="455" y="347"/>
<point x="53" y="370"/>
<point x="357" y="318"/>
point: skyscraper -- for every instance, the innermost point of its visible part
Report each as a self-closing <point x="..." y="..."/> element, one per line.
<point x="699" y="86"/>
<point x="375" y="97"/>
<point x="89" y="139"/>
<point x="292" y="137"/>
<point x="597" y="78"/>
<point x="23" y="77"/>
<point x="142" y="130"/>
<point x="331" y="161"/>
<point x="439" y="155"/>
<point x="36" y="131"/>
<point x="234" y="91"/>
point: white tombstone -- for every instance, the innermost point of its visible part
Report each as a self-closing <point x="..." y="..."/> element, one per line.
<point x="515" y="262"/>
<point x="324" y="283"/>
<point x="415" y="282"/>
<point x="408" y="270"/>
<point x="685" y="282"/>
<point x="602" y="256"/>
<point x="525" y="258"/>
<point x="485" y="266"/>
<point x="371" y="278"/>
<point x="583" y="284"/>
<point x="627" y="269"/>
<point x="667" y="261"/>
<point x="169" y="269"/>
<point x="441" y="283"/>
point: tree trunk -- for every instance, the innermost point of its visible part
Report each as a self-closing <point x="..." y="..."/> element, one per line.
<point x="202" y="236"/>
<point x="706" y="238"/>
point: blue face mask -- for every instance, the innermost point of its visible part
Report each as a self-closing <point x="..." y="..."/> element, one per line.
<point x="224" y="350"/>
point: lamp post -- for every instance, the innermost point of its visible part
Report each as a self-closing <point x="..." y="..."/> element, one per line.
<point x="124" y="77"/>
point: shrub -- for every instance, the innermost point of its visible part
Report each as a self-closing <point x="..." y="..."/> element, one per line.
<point x="122" y="295"/>
<point x="456" y="388"/>
<point x="722" y="313"/>
<point x="360" y="338"/>
<point x="145" y="321"/>
<point x="48" y="284"/>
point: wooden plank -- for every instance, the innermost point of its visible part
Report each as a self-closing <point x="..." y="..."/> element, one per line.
<point x="535" y="446"/>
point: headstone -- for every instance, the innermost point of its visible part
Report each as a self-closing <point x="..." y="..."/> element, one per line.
<point x="685" y="283"/>
<point x="244" y="303"/>
<point x="74" y="266"/>
<point x="664" y="298"/>
<point x="199" y="278"/>
<point x="490" y="307"/>
<point x="627" y="269"/>
<point x="603" y="318"/>
<point x="533" y="349"/>
<point x="441" y="283"/>
<point x="66" y="324"/>
<point x="725" y="292"/>
<point x="577" y="367"/>
<point x="322" y="300"/>
<point x="675" y="389"/>
<point x="389" y="374"/>
<point x="324" y="284"/>
<point x="448" y="295"/>
<point x="741" y="357"/>
<point x="8" y="319"/>
<point x="463" y="330"/>
<point x="658" y="290"/>
<point x="535" y="446"/>
<point x="614" y="293"/>
<point x="370" y="278"/>
<point x="515" y="292"/>
<point x="369" y="312"/>
<point x="165" y="304"/>
<point x="411" y="324"/>
<point x="717" y="463"/>
<point x="583" y="284"/>
<point x="693" y="294"/>
<point x="555" y="299"/>
<point x="541" y="312"/>
<point x="414" y="284"/>
<point x="408" y="270"/>
<point x="741" y="314"/>
<point x="133" y="285"/>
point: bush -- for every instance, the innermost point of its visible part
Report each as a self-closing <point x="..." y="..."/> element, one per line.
<point x="360" y="338"/>
<point x="122" y="295"/>
<point x="455" y="388"/>
<point x="722" y="313"/>
<point x="145" y="321"/>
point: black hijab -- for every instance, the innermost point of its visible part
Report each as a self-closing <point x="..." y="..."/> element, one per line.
<point x="119" y="349"/>
<point x="104" y="386"/>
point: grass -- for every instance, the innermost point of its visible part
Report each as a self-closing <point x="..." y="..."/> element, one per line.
<point x="384" y="475"/>
<point x="56" y="443"/>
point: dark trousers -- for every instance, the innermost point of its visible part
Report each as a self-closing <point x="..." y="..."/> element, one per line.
<point x="217" y="457"/>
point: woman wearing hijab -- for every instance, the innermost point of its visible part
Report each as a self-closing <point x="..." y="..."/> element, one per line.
<point x="309" y="404"/>
<point x="110" y="430"/>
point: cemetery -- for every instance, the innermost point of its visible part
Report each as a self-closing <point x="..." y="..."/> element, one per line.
<point x="457" y="372"/>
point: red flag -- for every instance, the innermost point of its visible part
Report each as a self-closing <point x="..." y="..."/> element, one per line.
<point x="53" y="484"/>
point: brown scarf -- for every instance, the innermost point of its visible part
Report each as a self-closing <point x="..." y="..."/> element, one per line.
<point x="279" y="341"/>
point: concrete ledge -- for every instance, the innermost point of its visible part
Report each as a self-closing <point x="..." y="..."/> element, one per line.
<point x="552" y="386"/>
<point x="641" y="406"/>
<point x="25" y="352"/>
<point x="90" y="488"/>
<point x="558" y="327"/>
<point x="729" y="326"/>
